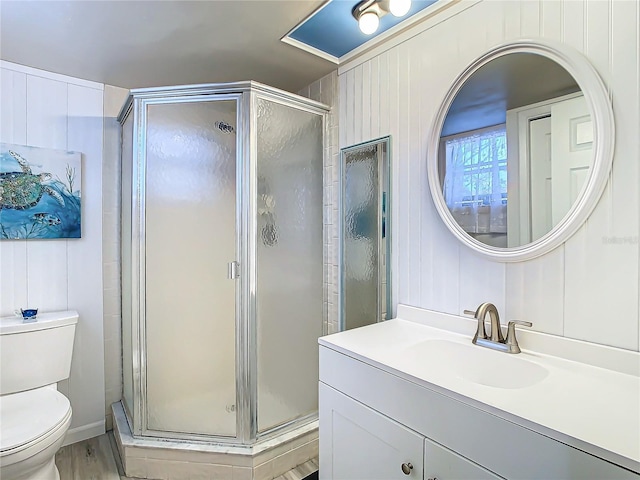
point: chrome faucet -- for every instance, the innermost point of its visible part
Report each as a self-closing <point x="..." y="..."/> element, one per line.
<point x="496" y="341"/>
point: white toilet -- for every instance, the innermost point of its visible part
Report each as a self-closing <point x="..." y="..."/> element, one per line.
<point x="34" y="416"/>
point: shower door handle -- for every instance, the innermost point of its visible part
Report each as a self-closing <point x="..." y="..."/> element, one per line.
<point x="233" y="270"/>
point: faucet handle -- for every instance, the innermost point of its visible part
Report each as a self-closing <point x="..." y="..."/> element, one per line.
<point x="470" y="312"/>
<point x="511" y="339"/>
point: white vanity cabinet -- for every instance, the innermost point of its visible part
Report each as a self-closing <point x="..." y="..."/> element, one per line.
<point x="374" y="419"/>
<point x="442" y="464"/>
<point x="363" y="444"/>
<point x="358" y="443"/>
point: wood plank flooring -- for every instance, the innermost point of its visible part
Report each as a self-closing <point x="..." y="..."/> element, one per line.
<point x="88" y="460"/>
<point x="301" y="472"/>
<point x="97" y="459"/>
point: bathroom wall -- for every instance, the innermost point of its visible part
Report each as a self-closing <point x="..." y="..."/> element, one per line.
<point x="325" y="90"/>
<point x="43" y="109"/>
<point x="114" y="98"/>
<point x="586" y="289"/>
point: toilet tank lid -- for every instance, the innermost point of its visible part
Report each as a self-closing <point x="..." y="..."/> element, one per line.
<point x="14" y="324"/>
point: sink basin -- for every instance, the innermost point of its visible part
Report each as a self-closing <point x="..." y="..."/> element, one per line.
<point x="477" y="364"/>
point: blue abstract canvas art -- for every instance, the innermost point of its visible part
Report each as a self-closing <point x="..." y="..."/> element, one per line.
<point x="39" y="193"/>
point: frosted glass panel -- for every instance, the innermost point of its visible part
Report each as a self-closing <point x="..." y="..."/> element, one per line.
<point x="361" y="236"/>
<point x="190" y="238"/>
<point x="127" y="172"/>
<point x="289" y="261"/>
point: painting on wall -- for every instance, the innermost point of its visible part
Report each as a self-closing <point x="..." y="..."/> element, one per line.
<point x="39" y="193"/>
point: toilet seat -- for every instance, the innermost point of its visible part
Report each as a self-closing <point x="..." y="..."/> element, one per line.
<point x="28" y="418"/>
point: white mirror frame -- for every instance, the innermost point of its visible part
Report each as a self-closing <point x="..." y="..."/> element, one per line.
<point x="599" y="105"/>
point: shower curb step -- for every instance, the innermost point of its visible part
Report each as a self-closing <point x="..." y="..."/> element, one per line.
<point x="150" y="458"/>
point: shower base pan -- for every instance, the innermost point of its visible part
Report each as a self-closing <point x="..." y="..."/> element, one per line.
<point x="176" y="460"/>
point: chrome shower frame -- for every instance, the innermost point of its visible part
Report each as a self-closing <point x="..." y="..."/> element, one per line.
<point x="246" y="95"/>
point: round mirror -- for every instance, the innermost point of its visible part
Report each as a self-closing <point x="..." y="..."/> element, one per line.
<point x="521" y="149"/>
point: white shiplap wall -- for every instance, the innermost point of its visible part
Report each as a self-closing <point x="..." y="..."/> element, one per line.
<point x="42" y="109"/>
<point x="587" y="288"/>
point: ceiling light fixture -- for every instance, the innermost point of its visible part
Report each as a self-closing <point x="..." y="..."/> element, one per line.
<point x="369" y="22"/>
<point x="369" y="12"/>
<point x="399" y="8"/>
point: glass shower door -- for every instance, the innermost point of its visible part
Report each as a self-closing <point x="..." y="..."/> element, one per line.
<point x="190" y="239"/>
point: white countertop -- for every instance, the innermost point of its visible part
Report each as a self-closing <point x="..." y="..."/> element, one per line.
<point x="591" y="408"/>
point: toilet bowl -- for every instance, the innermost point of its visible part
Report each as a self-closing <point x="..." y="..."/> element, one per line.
<point x="34" y="416"/>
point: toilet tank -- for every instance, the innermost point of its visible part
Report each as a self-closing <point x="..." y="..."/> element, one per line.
<point x="35" y="354"/>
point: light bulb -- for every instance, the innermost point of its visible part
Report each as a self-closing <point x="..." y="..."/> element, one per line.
<point x="368" y="22"/>
<point x="399" y="7"/>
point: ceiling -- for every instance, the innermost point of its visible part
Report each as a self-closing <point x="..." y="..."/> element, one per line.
<point x="507" y="82"/>
<point x="149" y="43"/>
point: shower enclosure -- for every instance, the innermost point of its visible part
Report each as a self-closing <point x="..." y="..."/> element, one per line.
<point x="222" y="261"/>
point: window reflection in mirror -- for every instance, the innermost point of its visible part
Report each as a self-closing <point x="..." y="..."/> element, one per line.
<point x="515" y="149"/>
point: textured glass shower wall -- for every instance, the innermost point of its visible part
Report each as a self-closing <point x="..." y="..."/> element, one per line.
<point x="289" y="261"/>
<point x="361" y="237"/>
<point x="127" y="263"/>
<point x="365" y="229"/>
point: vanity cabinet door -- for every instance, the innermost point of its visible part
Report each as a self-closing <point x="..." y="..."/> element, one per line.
<point x="358" y="443"/>
<point x="440" y="463"/>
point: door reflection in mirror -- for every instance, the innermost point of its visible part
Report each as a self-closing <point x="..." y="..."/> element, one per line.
<point x="515" y="149"/>
<point x="364" y="225"/>
<point x="552" y="159"/>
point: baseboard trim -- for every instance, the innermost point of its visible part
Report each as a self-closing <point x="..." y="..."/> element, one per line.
<point x="84" y="432"/>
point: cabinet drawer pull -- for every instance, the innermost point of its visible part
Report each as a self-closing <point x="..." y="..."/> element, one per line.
<point x="406" y="468"/>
